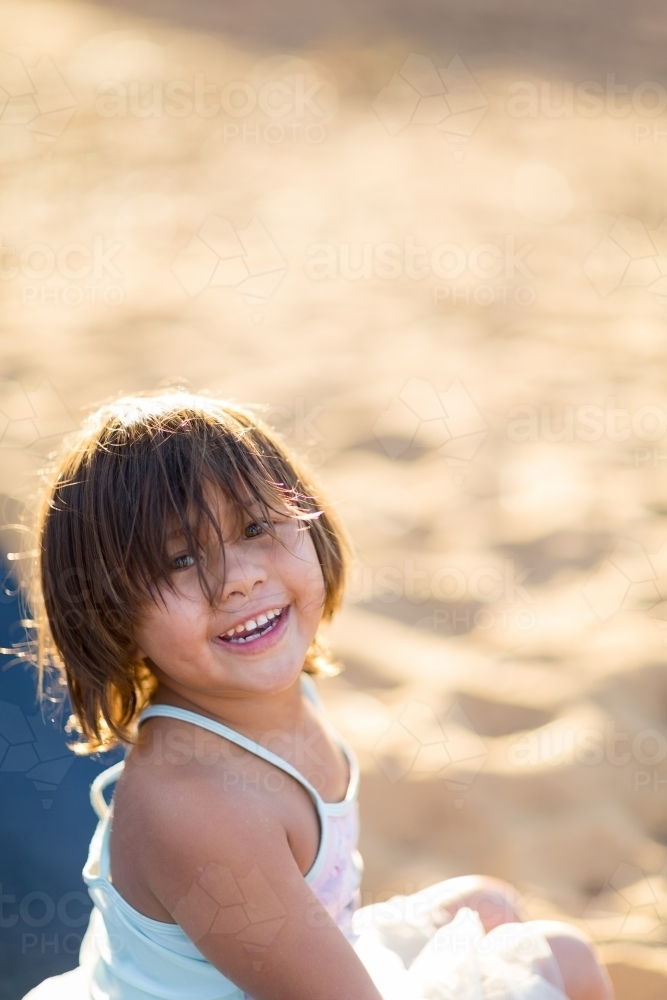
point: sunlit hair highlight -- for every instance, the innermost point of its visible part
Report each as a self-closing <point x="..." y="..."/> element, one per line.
<point x="141" y="468"/>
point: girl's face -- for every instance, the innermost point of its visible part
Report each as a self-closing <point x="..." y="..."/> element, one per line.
<point x="255" y="638"/>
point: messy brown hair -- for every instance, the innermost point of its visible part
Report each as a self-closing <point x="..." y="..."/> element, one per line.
<point x="139" y="466"/>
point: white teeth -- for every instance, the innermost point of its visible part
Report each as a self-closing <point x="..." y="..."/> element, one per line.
<point x="251" y="624"/>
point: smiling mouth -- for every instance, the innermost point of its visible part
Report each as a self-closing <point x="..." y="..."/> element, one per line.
<point x="254" y="628"/>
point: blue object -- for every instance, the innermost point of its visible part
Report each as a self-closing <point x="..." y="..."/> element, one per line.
<point x="46" y="823"/>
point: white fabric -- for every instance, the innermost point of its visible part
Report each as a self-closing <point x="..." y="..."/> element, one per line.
<point x="458" y="961"/>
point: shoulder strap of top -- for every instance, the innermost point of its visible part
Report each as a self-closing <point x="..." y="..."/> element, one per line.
<point x="172" y="712"/>
<point x="113" y="773"/>
<point x="97" y="799"/>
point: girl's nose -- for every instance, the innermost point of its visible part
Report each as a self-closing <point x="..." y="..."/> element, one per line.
<point x="243" y="574"/>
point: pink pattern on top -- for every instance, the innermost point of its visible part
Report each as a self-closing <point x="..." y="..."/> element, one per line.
<point x="337" y="883"/>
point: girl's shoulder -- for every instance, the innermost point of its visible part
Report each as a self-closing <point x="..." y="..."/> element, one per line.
<point x="173" y="760"/>
<point x="176" y="801"/>
<point x="180" y="781"/>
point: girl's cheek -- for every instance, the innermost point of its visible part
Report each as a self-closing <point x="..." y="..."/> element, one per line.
<point x="164" y="628"/>
<point x="303" y="553"/>
<point x="304" y="580"/>
<point x="312" y="588"/>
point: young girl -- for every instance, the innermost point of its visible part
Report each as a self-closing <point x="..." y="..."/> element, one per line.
<point x="187" y="564"/>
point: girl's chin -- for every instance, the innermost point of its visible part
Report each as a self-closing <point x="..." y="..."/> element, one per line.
<point x="273" y="678"/>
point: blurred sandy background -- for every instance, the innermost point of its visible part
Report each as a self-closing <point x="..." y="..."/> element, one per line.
<point x="430" y="239"/>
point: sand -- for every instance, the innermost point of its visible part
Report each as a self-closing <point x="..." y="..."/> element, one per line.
<point x="431" y="243"/>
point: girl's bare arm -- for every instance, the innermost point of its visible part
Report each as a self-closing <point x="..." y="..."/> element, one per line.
<point x="226" y="873"/>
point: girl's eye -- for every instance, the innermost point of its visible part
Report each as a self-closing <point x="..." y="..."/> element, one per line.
<point x="255" y="528"/>
<point x="183" y="562"/>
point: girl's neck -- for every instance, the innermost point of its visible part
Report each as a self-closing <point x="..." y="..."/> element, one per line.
<point x="251" y="714"/>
